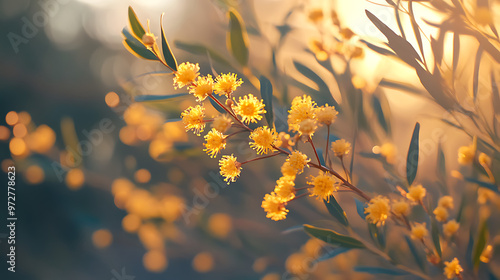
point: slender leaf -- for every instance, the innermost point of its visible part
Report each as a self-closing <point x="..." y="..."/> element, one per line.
<point x="137" y="48"/>
<point x="293" y="229"/>
<point x="142" y="98"/>
<point x="266" y="92"/>
<point x="468" y="252"/>
<point x="416" y="29"/>
<point x="360" y="208"/>
<point x="237" y="38"/>
<point x="381" y="116"/>
<point x="332" y="237"/>
<point x="416" y="255"/>
<point x="333" y="253"/>
<point x="483" y="184"/>
<point x="321" y="156"/>
<point x="376" y="235"/>
<point x="322" y="93"/>
<point x="482" y="239"/>
<point x="435" y="236"/>
<point x="379" y="270"/>
<point x="456" y="51"/>
<point x="441" y="163"/>
<point x="400" y="86"/>
<point x="412" y="158"/>
<point x="377" y="49"/>
<point x="336" y="210"/>
<point x="475" y="81"/>
<point x="173" y="120"/>
<point x="216" y="105"/>
<point x="461" y="208"/>
<point x="136" y="26"/>
<point x="167" y="51"/>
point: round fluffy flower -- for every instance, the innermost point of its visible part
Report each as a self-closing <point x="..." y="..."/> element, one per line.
<point x="148" y="39"/>
<point x="215" y="141"/>
<point x="229" y="168"/>
<point x="193" y="119"/>
<point x="326" y="114"/>
<point x="202" y="87"/>
<point x="288" y="171"/>
<point x="307" y="127"/>
<point x="401" y="207"/>
<point x="466" y="154"/>
<point x="378" y="210"/>
<point x="250" y="108"/>
<point x="302" y="108"/>
<point x="450" y="228"/>
<point x="285" y="188"/>
<point x="452" y="269"/>
<point x="416" y="193"/>
<point x="419" y="231"/>
<point x="341" y="147"/>
<point x="222" y="123"/>
<point x="186" y="74"/>
<point x="324" y="185"/>
<point x="227" y="84"/>
<point x="297" y="161"/>
<point x="446" y="202"/>
<point x="441" y="214"/>
<point x="263" y="139"/>
<point x="274" y="207"/>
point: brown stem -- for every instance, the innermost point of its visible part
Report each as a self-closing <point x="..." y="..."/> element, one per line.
<point x="263" y="157"/>
<point x="347" y="175"/>
<point x="314" y="148"/>
<point x="234" y="133"/>
<point x="299" y="196"/>
<point x="327" y="143"/>
<point x="230" y="112"/>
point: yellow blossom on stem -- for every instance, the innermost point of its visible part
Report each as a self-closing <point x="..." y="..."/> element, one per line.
<point x="202" y="87"/>
<point x="378" y="210"/>
<point x="186" y="74"/>
<point x="263" y="139"/>
<point x="441" y="214"/>
<point x="250" y="108"/>
<point x="148" y="39"/>
<point x="297" y="161"/>
<point x="215" y="141"/>
<point x="416" y="193"/>
<point x="193" y="119"/>
<point x="452" y="269"/>
<point x="326" y="114"/>
<point x="450" y="228"/>
<point x="341" y="147"/>
<point x="486" y="254"/>
<point x="284" y="140"/>
<point x="285" y="188"/>
<point x="466" y="155"/>
<point x="303" y="108"/>
<point x="307" y="127"/>
<point x="419" y="231"/>
<point x="274" y="207"/>
<point x="446" y="202"/>
<point x="226" y="84"/>
<point x="401" y="207"/>
<point x="222" y="123"/>
<point x="288" y="170"/>
<point x="229" y="168"/>
<point x="324" y="185"/>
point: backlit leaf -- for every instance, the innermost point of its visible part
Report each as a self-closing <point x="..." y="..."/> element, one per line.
<point x="332" y="237"/>
<point x="237" y="38"/>
<point x="412" y="157"/>
<point x="336" y="210"/>
<point x="167" y="51"/>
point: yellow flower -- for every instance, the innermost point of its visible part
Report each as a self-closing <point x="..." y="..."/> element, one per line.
<point x="307" y="127"/>
<point x="419" y="231"/>
<point x="450" y="228"/>
<point x="298" y="161"/>
<point x="466" y="154"/>
<point x="186" y="74"/>
<point x="341" y="147"/>
<point x="274" y="207"/>
<point x="222" y="123"/>
<point x="324" y="185"/>
<point x="250" y="108"/>
<point x="316" y="15"/>
<point x="227" y="84"/>
<point x="416" y="193"/>
<point x="193" y="119"/>
<point x="285" y="188"/>
<point x="452" y="269"/>
<point x="229" y="168"/>
<point x="486" y="254"/>
<point x="288" y="171"/>
<point x="202" y="87"/>
<point x="378" y="210"/>
<point x="401" y="207"/>
<point x="263" y="138"/>
<point x="215" y="142"/>
<point x="389" y="151"/>
<point x="326" y="114"/>
<point x="303" y="108"/>
<point x="441" y="214"/>
<point x="484" y="159"/>
<point x="148" y="39"/>
<point x="446" y="202"/>
<point x="284" y="140"/>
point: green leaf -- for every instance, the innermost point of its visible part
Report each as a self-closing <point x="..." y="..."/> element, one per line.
<point x="416" y="255"/>
<point x="482" y="238"/>
<point x="412" y="158"/>
<point x="136" y="26"/>
<point x="336" y="210"/>
<point x="441" y="162"/>
<point x="382" y="116"/>
<point x="482" y="184"/>
<point x="475" y="81"/>
<point x="332" y="237"/>
<point x="360" y="208"/>
<point x="322" y="94"/>
<point x="167" y="52"/>
<point x="335" y="252"/>
<point x="376" y="235"/>
<point x="216" y="105"/>
<point x="237" y="38"/>
<point x="142" y="98"/>
<point x="415" y="27"/>
<point x="461" y="208"/>
<point x="266" y="92"/>
<point x="136" y="47"/>
<point x="435" y="236"/>
<point x="380" y="50"/>
<point x="379" y="270"/>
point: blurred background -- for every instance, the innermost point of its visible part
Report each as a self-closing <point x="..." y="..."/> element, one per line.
<point x="107" y="188"/>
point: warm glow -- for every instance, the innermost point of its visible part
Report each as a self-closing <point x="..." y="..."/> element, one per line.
<point x="203" y="262"/>
<point x="19" y="130"/>
<point x="34" y="174"/>
<point x="142" y="176"/>
<point x="155" y="261"/>
<point x="75" y="179"/>
<point x="112" y="99"/>
<point x="4" y="133"/>
<point x="11" y="118"/>
<point x="17" y="146"/>
<point x="102" y="238"/>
